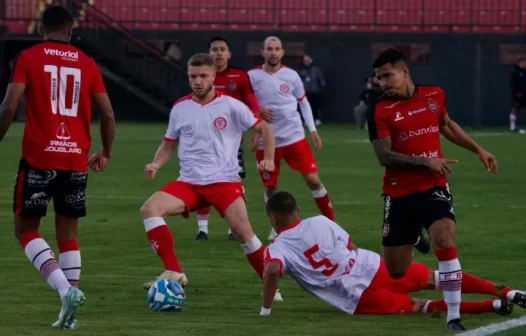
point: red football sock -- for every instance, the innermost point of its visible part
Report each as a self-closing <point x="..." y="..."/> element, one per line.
<point x="255" y="252"/>
<point x="324" y="203"/>
<point x="162" y="242"/>
<point x="466" y="307"/>
<point x="473" y="285"/>
<point x="203" y="211"/>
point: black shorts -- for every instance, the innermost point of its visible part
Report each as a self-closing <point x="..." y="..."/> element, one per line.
<point x="34" y="188"/>
<point x="241" y="161"/>
<point x="404" y="217"/>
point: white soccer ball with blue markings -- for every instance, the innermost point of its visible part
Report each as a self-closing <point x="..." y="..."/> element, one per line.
<point x="166" y="296"/>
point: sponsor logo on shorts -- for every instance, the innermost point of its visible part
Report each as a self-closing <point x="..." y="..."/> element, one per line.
<point x="40" y="178"/>
<point x="77" y="199"/>
<point x="387" y="207"/>
<point x="433" y="107"/>
<point x="79" y="177"/>
<point x="284" y="88"/>
<point x="266" y="175"/>
<point x="220" y="123"/>
<point x="386" y="229"/>
<point x="39" y="199"/>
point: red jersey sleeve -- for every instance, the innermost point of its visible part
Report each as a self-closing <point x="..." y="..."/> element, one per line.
<point x="249" y="98"/>
<point x="20" y="69"/>
<point x="98" y="84"/>
<point x="377" y="125"/>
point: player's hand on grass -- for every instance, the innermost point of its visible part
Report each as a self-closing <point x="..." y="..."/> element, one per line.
<point x="266" y="115"/>
<point x="316" y="140"/>
<point x="266" y="165"/>
<point x="440" y="166"/>
<point x="98" y="162"/>
<point x="254" y="141"/>
<point x="150" y="170"/>
<point x="489" y="160"/>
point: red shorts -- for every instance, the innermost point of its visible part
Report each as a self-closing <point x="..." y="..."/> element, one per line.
<point x="298" y="156"/>
<point x="386" y="296"/>
<point x="219" y="195"/>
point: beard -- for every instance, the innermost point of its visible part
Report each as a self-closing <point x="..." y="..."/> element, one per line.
<point x="203" y="92"/>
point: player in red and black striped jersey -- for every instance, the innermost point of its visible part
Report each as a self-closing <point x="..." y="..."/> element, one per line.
<point x="60" y="83"/>
<point x="233" y="82"/>
<point x="405" y="131"/>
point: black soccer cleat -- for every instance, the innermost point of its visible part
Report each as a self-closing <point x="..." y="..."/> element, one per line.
<point x="423" y="245"/>
<point x="519" y="299"/>
<point x="202" y="236"/>
<point x="455" y="325"/>
<point x="506" y="308"/>
<point x="231" y="237"/>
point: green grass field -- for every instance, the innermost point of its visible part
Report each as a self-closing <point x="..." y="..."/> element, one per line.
<point x="223" y="297"/>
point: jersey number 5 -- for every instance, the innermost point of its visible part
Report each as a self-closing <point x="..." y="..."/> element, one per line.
<point x="326" y="263"/>
<point x="59" y="81"/>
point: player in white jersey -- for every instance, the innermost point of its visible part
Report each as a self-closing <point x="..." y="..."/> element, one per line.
<point x="322" y="258"/>
<point x="207" y="125"/>
<point x="278" y="90"/>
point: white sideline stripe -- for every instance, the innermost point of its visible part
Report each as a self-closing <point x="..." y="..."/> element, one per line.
<point x="491" y="329"/>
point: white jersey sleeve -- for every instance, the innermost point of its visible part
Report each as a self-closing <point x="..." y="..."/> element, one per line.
<point x="242" y="116"/>
<point x="273" y="253"/>
<point x="298" y="90"/>
<point x="172" y="133"/>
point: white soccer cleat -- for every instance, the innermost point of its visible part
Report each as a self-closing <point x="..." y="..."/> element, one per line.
<point x="272" y="235"/>
<point x="278" y="297"/>
<point x="67" y="318"/>
<point x="168" y="275"/>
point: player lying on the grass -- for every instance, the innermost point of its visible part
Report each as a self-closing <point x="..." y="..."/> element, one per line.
<point x="60" y="83"/>
<point x="207" y="125"/>
<point x="321" y="257"/>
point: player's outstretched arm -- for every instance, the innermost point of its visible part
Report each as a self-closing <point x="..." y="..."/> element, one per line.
<point x="391" y="159"/>
<point x="455" y="134"/>
<point x="270" y="286"/>
<point x="14" y="93"/>
<point x="107" y="122"/>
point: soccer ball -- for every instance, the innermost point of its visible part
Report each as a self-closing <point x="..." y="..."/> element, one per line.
<point x="166" y="296"/>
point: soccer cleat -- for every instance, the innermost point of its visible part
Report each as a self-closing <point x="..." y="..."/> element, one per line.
<point x="519" y="299"/>
<point x="503" y="307"/>
<point x="278" y="297"/>
<point x="231" y="237"/>
<point x="272" y="235"/>
<point x="70" y="304"/>
<point x="423" y="245"/>
<point x="202" y="236"/>
<point x="455" y="325"/>
<point x="168" y="275"/>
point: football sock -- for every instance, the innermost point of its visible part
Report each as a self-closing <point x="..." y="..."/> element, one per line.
<point x="466" y="307"/>
<point x="42" y="257"/>
<point x="513" y="119"/>
<point x="255" y="252"/>
<point x="162" y="242"/>
<point x="450" y="278"/>
<point x="473" y="285"/>
<point x="69" y="261"/>
<point x="323" y="202"/>
<point x="202" y="219"/>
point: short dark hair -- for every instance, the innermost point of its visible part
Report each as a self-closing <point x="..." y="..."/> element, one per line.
<point x="218" y="38"/>
<point x="201" y="60"/>
<point x="281" y="203"/>
<point x="389" y="56"/>
<point x="56" y="18"/>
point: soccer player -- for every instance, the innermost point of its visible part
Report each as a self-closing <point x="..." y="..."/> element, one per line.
<point x="405" y="131"/>
<point x="234" y="83"/>
<point x="60" y="83"/>
<point x="207" y="125"/>
<point x="319" y="255"/>
<point x="279" y="90"/>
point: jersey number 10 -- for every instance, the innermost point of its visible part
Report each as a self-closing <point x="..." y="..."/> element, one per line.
<point x="59" y="80"/>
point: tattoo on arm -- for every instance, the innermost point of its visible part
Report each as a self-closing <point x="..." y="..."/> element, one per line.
<point x="391" y="159"/>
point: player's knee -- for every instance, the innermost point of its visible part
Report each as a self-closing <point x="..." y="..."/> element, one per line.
<point x="396" y="273"/>
<point x="150" y="209"/>
<point x="442" y="233"/>
<point x="313" y="181"/>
